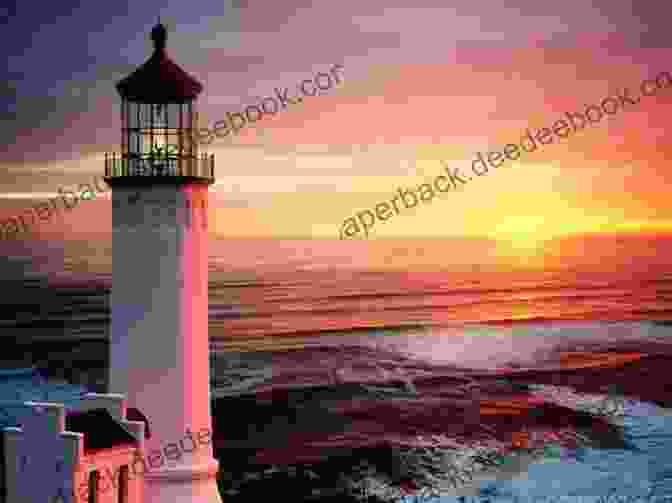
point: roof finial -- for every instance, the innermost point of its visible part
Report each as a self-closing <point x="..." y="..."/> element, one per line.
<point x="159" y="36"/>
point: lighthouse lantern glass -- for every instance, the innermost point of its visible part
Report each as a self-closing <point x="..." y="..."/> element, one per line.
<point x="158" y="129"/>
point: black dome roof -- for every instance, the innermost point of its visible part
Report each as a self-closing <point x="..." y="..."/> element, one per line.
<point x="159" y="80"/>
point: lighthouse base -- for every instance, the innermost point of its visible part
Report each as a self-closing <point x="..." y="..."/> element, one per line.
<point x="183" y="484"/>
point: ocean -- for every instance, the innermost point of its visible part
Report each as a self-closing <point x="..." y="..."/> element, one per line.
<point x="391" y="370"/>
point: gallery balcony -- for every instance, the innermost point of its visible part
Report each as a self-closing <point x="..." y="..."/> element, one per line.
<point x="156" y="169"/>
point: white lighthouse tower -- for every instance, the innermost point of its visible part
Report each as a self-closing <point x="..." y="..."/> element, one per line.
<point x="159" y="353"/>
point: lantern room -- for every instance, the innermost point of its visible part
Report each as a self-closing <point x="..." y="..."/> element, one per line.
<point x="159" y="123"/>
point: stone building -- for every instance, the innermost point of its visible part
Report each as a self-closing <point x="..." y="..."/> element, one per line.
<point x="61" y="444"/>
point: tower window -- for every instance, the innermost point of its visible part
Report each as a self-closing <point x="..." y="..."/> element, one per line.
<point x="94" y="476"/>
<point x="123" y="485"/>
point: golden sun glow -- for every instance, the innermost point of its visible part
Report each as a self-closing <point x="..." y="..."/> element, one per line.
<point x="523" y="233"/>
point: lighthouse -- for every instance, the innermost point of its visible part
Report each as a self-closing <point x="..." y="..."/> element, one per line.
<point x="159" y="352"/>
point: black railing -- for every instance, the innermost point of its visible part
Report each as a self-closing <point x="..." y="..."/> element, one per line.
<point x="117" y="165"/>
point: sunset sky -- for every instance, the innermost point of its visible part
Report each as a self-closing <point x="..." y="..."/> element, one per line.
<point x="423" y="82"/>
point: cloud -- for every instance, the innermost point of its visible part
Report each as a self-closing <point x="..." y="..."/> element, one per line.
<point x="27" y="195"/>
